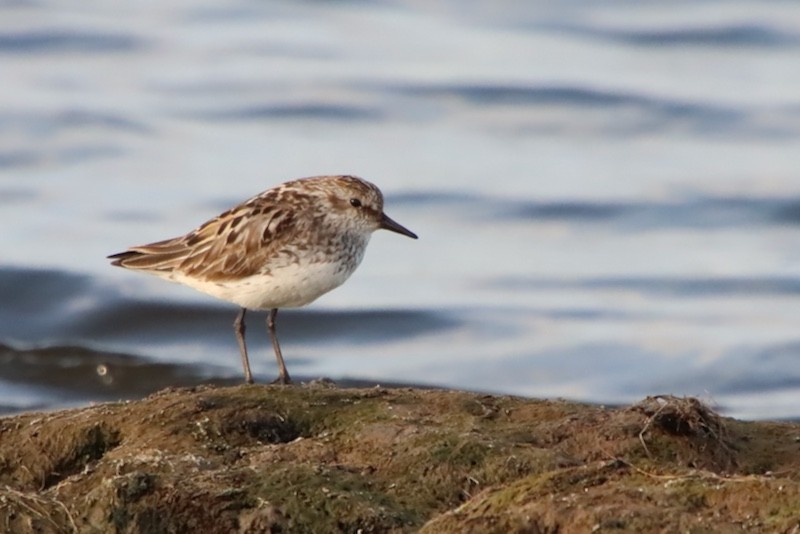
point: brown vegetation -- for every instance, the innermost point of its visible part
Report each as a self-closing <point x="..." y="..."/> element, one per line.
<point x="318" y="459"/>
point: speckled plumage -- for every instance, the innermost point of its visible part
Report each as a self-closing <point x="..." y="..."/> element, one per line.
<point x="282" y="248"/>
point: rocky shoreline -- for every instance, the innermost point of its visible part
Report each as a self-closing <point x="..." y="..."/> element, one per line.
<point x="321" y="459"/>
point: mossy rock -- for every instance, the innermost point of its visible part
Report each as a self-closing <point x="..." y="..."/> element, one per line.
<point x="310" y="459"/>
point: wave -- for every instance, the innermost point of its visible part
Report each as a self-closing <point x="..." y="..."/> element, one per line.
<point x="727" y="36"/>
<point x="655" y="285"/>
<point x="567" y="95"/>
<point x="620" y="112"/>
<point x="61" y="41"/>
<point x="697" y="212"/>
<point x="312" y="110"/>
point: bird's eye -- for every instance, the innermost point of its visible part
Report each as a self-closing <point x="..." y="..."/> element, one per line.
<point x="355" y="202"/>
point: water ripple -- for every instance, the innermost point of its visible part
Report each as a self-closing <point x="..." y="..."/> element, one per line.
<point x="617" y="112"/>
<point x="58" y="41"/>
<point x="742" y="35"/>
<point x="706" y="212"/>
<point x="18" y="158"/>
<point x="567" y="95"/>
<point x="315" y="111"/>
<point x="47" y="123"/>
<point x="674" y="286"/>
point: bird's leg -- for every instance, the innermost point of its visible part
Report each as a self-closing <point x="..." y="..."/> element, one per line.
<point x="239" y="328"/>
<point x="283" y="374"/>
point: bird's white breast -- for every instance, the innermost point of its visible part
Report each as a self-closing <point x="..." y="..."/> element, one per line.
<point x="286" y="284"/>
<point x="288" y="287"/>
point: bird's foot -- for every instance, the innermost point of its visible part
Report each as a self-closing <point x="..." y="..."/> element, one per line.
<point x="283" y="380"/>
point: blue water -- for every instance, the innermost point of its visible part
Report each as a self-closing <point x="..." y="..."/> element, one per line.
<point x="607" y="195"/>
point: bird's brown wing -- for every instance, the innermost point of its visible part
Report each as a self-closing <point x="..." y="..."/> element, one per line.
<point x="238" y="243"/>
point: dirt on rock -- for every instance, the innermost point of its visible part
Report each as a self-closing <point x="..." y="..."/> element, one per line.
<point x="318" y="459"/>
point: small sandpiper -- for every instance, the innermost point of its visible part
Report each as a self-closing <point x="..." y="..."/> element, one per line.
<point x="283" y="248"/>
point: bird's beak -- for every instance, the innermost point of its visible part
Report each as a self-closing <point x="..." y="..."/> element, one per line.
<point x="389" y="224"/>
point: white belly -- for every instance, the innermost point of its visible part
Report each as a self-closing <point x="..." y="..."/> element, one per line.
<point x="288" y="287"/>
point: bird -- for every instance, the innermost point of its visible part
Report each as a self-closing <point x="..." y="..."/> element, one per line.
<point x="282" y="248"/>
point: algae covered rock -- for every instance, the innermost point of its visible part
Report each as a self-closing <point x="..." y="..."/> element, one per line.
<point x="316" y="459"/>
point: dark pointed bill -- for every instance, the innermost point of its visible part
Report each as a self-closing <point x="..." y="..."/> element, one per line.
<point x="389" y="224"/>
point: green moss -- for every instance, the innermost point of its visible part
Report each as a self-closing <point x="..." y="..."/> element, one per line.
<point x="333" y="500"/>
<point x="459" y="452"/>
<point x="689" y="494"/>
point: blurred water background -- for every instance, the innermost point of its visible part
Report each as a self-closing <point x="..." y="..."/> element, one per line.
<point x="607" y="194"/>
